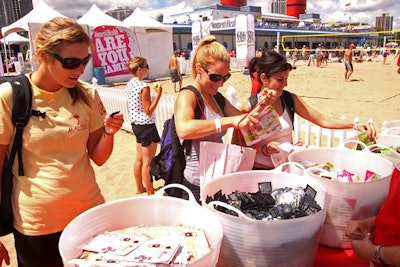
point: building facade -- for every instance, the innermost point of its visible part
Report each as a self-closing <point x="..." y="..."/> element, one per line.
<point x="13" y="10"/>
<point x="120" y="13"/>
<point x="278" y="7"/>
<point x="384" y="22"/>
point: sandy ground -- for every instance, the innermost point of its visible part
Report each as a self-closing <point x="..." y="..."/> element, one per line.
<point x="373" y="93"/>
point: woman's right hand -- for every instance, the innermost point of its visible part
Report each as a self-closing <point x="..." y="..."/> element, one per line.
<point x="270" y="148"/>
<point x="4" y="256"/>
<point x="157" y="88"/>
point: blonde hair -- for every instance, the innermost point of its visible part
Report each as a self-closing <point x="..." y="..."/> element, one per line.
<point x="207" y="52"/>
<point x="51" y="38"/>
<point x="135" y="63"/>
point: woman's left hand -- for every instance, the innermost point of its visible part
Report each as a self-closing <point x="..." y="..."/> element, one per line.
<point x="113" y="122"/>
<point x="369" y="126"/>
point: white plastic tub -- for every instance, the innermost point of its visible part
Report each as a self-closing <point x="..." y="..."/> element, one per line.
<point x="390" y="124"/>
<point x="250" y="242"/>
<point x="147" y="210"/>
<point x="346" y="201"/>
<point x="382" y="141"/>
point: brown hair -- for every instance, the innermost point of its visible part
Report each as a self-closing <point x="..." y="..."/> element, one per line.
<point x="51" y="38"/>
<point x="208" y="50"/>
<point x="269" y="63"/>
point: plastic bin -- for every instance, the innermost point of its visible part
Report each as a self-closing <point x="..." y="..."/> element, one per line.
<point x="147" y="210"/>
<point x="99" y="74"/>
<point x="347" y="201"/>
<point x="250" y="242"/>
<point x="382" y="141"/>
<point x="390" y="124"/>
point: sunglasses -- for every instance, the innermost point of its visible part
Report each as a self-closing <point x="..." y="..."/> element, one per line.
<point x="217" y="77"/>
<point x="70" y="62"/>
<point x="145" y="67"/>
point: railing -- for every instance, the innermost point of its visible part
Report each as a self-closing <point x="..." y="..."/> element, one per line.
<point x="305" y="132"/>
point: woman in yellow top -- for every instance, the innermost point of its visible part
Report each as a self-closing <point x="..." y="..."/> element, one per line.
<point x="59" y="181"/>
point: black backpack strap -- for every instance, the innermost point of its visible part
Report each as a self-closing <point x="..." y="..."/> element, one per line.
<point x="288" y="103"/>
<point x="198" y="110"/>
<point x="21" y="112"/>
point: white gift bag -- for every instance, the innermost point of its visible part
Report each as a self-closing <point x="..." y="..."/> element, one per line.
<point x="217" y="159"/>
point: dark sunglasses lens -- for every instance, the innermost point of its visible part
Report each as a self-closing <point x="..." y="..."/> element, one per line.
<point x="73" y="63"/>
<point x="216" y="77"/>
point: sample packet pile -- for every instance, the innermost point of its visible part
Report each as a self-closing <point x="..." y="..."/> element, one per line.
<point x="143" y="246"/>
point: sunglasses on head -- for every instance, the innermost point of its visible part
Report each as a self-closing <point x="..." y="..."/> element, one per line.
<point x="217" y="77"/>
<point x="70" y="62"/>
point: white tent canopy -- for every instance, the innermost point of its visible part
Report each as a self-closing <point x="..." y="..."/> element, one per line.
<point x="139" y="19"/>
<point x="40" y="14"/>
<point x="155" y="41"/>
<point x="14" y="39"/>
<point x="96" y="17"/>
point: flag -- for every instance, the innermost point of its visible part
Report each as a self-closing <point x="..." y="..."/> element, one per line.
<point x="348" y="4"/>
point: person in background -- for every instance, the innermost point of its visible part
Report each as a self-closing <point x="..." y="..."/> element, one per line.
<point x="174" y="71"/>
<point x="385" y="54"/>
<point x="59" y="181"/>
<point x="210" y="70"/>
<point x="255" y="85"/>
<point x="377" y="239"/>
<point x="142" y="117"/>
<point x="348" y="59"/>
<point x="273" y="72"/>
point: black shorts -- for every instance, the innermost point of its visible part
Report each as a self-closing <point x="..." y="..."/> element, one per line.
<point x="146" y="134"/>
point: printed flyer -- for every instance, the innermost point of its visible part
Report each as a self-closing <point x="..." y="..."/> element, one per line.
<point x="269" y="124"/>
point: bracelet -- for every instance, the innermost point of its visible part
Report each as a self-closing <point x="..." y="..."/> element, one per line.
<point x="377" y="255"/>
<point x="218" y="125"/>
<point x="105" y="132"/>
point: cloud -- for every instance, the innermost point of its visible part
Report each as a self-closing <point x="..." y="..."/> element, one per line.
<point x="330" y="10"/>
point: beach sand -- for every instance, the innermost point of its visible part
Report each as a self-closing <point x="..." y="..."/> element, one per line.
<point x="373" y="93"/>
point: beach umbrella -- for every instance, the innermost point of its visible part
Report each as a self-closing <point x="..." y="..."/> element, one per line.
<point x="392" y="44"/>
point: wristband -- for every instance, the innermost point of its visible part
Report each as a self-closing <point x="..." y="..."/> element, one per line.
<point x="377" y="255"/>
<point x="218" y="125"/>
<point x="105" y="132"/>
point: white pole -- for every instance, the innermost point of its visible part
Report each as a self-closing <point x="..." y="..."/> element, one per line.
<point x="5" y="55"/>
<point x="278" y="37"/>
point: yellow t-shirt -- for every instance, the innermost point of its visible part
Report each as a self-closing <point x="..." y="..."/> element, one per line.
<point x="59" y="181"/>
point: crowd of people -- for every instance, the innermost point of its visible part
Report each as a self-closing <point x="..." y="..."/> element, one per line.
<point x="59" y="181"/>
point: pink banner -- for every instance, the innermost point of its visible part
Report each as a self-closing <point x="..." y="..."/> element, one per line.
<point x="113" y="46"/>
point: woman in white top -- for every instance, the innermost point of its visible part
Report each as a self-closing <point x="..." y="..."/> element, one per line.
<point x="273" y="73"/>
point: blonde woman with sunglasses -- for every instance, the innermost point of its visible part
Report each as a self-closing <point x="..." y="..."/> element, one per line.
<point x="210" y="70"/>
<point x="59" y="182"/>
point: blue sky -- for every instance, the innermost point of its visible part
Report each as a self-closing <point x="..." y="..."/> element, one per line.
<point x="330" y="10"/>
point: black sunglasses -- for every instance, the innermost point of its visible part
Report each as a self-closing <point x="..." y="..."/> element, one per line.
<point x="71" y="63"/>
<point x="217" y="77"/>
